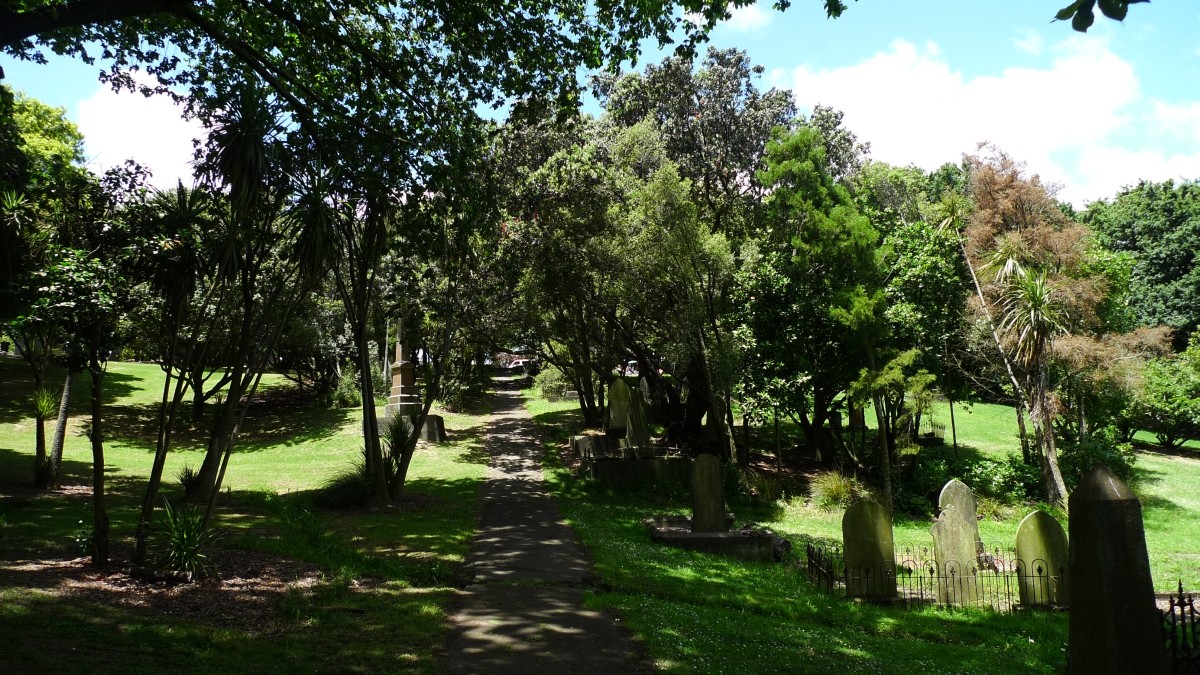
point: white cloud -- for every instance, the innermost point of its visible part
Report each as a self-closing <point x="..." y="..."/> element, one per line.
<point x="117" y="126"/>
<point x="1030" y="43"/>
<point x="1078" y="120"/>
<point x="748" y="18"/>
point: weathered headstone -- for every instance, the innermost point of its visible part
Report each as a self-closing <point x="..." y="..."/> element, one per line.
<point x="1114" y="624"/>
<point x="868" y="551"/>
<point x="618" y="405"/>
<point x="708" y="500"/>
<point x="1041" y="561"/>
<point x="959" y="495"/>
<point x="954" y="537"/>
<point x="637" y="430"/>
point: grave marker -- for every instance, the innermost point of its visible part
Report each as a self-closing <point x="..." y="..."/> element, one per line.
<point x="708" y="499"/>
<point x="1114" y="624"/>
<point x="1041" y="561"/>
<point x="959" y="495"/>
<point x="869" y="552"/>
<point x="618" y="405"/>
<point x="954" y="538"/>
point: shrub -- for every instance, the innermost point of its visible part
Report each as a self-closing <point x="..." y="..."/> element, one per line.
<point x="187" y="477"/>
<point x="1006" y="480"/>
<point x="184" y="540"/>
<point x="1076" y="459"/>
<point x="551" y="382"/>
<point x="830" y="490"/>
<point x="347" y="394"/>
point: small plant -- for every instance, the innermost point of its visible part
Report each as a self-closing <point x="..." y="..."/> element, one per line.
<point x="352" y="487"/>
<point x="831" y="490"/>
<point x="187" y="477"/>
<point x="184" y="540"/>
<point x="347" y="394"/>
<point x="84" y="537"/>
<point x="993" y="509"/>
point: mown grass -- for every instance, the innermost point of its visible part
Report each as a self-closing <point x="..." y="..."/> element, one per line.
<point x="705" y="614"/>
<point x="387" y="575"/>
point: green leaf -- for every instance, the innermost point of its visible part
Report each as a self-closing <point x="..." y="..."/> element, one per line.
<point x="1114" y="9"/>
<point x="1084" y="18"/>
<point x="1068" y="11"/>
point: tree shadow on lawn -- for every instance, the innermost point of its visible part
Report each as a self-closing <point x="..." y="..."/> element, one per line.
<point x="275" y="418"/>
<point x="16" y="390"/>
<point x="1143" y="477"/>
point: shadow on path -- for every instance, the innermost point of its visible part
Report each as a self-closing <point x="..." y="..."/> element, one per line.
<point x="524" y="612"/>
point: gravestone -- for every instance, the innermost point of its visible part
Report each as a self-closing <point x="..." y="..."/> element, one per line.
<point x="959" y="495"/>
<point x="954" y="536"/>
<point x="869" y="553"/>
<point x="1041" y="561"/>
<point x="618" y="406"/>
<point x="403" y="399"/>
<point x="1114" y="624"/>
<point x="637" y="430"/>
<point x="708" y="500"/>
<point x="644" y="389"/>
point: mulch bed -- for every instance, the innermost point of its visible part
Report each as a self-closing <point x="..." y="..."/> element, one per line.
<point x="244" y="594"/>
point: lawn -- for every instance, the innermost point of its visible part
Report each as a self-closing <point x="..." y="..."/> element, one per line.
<point x="705" y="614"/>
<point x="304" y="589"/>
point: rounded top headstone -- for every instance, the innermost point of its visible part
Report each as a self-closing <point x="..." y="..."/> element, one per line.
<point x="1101" y="485"/>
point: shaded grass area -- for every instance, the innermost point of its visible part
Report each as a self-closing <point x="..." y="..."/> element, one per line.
<point x="332" y="629"/>
<point x="385" y="576"/>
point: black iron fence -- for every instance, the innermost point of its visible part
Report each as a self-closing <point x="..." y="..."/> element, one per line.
<point x="1179" y="633"/>
<point x="997" y="579"/>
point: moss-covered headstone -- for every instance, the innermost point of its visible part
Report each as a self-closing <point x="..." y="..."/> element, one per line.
<point x="960" y="495"/>
<point x="868" y="551"/>
<point x="618" y="405"/>
<point x="954" y="536"/>
<point x="1114" y="624"/>
<point x="1041" y="561"/>
<point x="708" y="499"/>
<point x="637" y="430"/>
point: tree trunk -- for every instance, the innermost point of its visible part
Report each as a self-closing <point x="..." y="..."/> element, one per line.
<point x="54" y="468"/>
<point x="1056" y="489"/>
<point x="166" y="419"/>
<point x="40" y="469"/>
<point x="99" y="512"/>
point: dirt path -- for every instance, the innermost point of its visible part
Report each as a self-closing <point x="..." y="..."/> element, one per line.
<point x="524" y="612"/>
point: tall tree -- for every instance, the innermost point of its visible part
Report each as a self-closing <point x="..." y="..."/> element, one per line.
<point x="1158" y="224"/>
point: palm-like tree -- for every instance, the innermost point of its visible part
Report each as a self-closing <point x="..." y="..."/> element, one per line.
<point x="1031" y="314"/>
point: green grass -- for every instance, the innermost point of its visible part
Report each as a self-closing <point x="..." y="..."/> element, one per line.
<point x="386" y="575"/>
<point x="705" y="614"/>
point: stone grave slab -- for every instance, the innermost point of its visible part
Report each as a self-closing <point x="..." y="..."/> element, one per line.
<point x="869" y="552"/>
<point x="1041" y="561"/>
<point x="954" y="551"/>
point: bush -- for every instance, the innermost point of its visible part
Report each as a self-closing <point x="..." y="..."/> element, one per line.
<point x="551" y="382"/>
<point x="184" y="540"/>
<point x="1102" y="447"/>
<point x="347" y="394"/>
<point x="830" y="490"/>
<point x="1007" y="480"/>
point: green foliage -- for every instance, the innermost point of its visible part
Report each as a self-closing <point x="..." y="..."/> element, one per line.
<point x="187" y="476"/>
<point x="183" y="540"/>
<point x="348" y="393"/>
<point x="551" y="383"/>
<point x="1101" y="447"/>
<point x="1169" y="401"/>
<point x="1159" y="225"/>
<point x="84" y="537"/>
<point x="832" y="490"/>
<point x="1006" y="479"/>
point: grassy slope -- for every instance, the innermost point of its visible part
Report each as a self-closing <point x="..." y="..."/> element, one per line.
<point x="386" y="571"/>
<point x="684" y="604"/>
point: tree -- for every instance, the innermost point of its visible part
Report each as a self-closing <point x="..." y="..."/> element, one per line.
<point x="1158" y="224"/>
<point x="1026" y="261"/>
<point x="1169" y="399"/>
<point x="812" y="294"/>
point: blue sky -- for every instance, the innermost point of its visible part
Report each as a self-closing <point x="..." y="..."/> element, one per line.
<point x="922" y="80"/>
